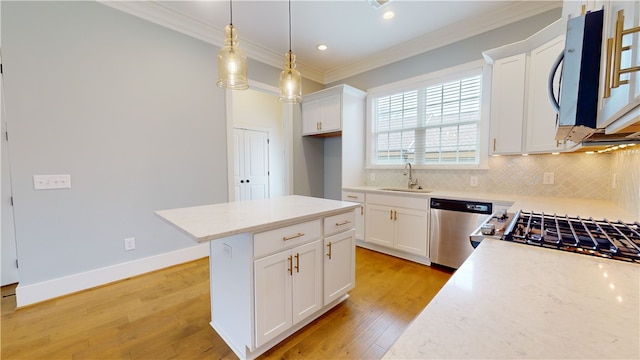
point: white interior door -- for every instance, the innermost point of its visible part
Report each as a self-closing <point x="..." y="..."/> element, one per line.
<point x="251" y="164"/>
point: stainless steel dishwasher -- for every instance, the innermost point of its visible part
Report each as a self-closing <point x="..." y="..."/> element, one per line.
<point x="451" y="222"/>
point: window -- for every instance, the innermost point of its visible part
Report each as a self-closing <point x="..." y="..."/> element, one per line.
<point x="432" y="122"/>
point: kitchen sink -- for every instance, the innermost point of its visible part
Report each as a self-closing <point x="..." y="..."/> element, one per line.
<point x="424" y="191"/>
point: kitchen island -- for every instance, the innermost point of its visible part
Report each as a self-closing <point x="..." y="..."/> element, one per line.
<point x="513" y="301"/>
<point x="275" y="264"/>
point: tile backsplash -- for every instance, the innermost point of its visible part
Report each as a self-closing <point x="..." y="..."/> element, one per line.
<point x="625" y="168"/>
<point x="576" y="175"/>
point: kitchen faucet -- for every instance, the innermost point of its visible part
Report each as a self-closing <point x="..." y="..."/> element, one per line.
<point x="412" y="182"/>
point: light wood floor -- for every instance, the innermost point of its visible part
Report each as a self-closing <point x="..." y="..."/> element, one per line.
<point x="165" y="315"/>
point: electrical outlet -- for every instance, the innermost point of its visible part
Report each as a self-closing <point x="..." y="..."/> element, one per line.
<point x="49" y="182"/>
<point x="547" y="178"/>
<point x="372" y="177"/>
<point x="129" y="244"/>
<point x="473" y="181"/>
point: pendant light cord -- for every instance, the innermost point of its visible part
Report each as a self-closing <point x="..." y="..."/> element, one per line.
<point x="230" y="12"/>
<point x="289" y="27"/>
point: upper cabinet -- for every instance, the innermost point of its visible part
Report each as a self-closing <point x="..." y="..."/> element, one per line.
<point x="522" y="118"/>
<point x="324" y="112"/>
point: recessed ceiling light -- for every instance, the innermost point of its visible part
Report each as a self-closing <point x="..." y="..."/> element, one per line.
<point x="388" y="15"/>
<point x="321" y="47"/>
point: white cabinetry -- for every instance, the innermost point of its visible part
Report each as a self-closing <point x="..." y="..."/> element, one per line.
<point x="358" y="197"/>
<point x="322" y="114"/>
<point x="288" y="288"/>
<point x="520" y="107"/>
<point x="398" y="222"/>
<point x="626" y="97"/>
<point x="507" y="104"/>
<point x="340" y="256"/>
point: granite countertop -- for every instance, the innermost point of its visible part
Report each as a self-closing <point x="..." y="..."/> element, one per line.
<point x="597" y="209"/>
<point x="210" y="222"/>
<point x="513" y="301"/>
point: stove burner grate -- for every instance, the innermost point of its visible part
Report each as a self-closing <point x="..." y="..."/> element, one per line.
<point x="617" y="240"/>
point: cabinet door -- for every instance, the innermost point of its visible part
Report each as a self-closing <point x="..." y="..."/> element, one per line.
<point x="310" y="117"/>
<point x="379" y="225"/>
<point x="624" y="97"/>
<point x="331" y="113"/>
<point x="507" y="104"/>
<point x="541" y="117"/>
<point x="273" y="300"/>
<point x="307" y="280"/>
<point x="339" y="265"/>
<point x="411" y="231"/>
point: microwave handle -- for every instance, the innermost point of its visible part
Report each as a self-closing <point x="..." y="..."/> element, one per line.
<point x="553" y="99"/>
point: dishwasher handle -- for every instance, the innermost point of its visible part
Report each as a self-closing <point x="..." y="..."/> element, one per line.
<point x="468" y="206"/>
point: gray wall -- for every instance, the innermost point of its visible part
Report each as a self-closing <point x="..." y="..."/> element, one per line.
<point x="460" y="52"/>
<point x="129" y="109"/>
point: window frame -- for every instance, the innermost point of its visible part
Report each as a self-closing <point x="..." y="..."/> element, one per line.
<point x="433" y="78"/>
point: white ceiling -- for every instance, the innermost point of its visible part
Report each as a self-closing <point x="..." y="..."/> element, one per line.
<point x="357" y="36"/>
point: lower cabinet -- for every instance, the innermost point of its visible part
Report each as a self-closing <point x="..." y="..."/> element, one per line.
<point x="288" y="288"/>
<point x="339" y="265"/>
<point x="266" y="285"/>
<point x="391" y="223"/>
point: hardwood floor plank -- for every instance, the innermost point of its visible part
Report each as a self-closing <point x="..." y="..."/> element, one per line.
<point x="165" y="315"/>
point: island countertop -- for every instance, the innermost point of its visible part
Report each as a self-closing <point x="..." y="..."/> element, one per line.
<point x="215" y="221"/>
<point x="513" y="301"/>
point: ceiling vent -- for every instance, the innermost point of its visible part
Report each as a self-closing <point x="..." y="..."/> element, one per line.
<point x="376" y="4"/>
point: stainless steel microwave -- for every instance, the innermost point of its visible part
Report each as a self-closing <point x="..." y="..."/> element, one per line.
<point x="577" y="105"/>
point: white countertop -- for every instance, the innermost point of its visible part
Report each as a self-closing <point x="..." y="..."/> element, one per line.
<point x="514" y="301"/>
<point x="597" y="209"/>
<point x="210" y="222"/>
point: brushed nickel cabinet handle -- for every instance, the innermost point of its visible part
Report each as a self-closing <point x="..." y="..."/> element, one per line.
<point x="285" y="238"/>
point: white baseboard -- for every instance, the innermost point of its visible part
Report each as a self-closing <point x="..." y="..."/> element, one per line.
<point x="33" y="293"/>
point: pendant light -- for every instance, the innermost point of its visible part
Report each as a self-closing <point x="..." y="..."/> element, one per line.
<point x="290" y="79"/>
<point x="232" y="63"/>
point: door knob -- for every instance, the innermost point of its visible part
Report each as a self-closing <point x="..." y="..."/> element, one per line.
<point x="241" y="181"/>
<point x="247" y="180"/>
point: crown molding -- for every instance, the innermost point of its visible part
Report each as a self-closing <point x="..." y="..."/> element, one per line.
<point x="442" y="37"/>
<point x="155" y="12"/>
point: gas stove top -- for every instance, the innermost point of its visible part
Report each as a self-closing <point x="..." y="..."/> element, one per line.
<point x="616" y="240"/>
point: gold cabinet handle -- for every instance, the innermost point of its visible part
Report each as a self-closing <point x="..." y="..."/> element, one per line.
<point x="285" y="238"/>
<point x="390" y="214"/>
<point x="494" y="144"/>
<point x="297" y="262"/>
<point x="343" y="223"/>
<point x="361" y="210"/>
<point x="395" y="215"/>
<point x="607" y="72"/>
<point x="290" y="265"/>
<point x="352" y="196"/>
<point x="329" y="246"/>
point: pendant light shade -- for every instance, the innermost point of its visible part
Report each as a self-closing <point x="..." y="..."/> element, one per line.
<point x="290" y="79"/>
<point x="232" y="63"/>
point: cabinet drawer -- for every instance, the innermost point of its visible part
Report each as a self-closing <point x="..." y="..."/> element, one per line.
<point x="341" y="222"/>
<point x="286" y="237"/>
<point x="353" y="196"/>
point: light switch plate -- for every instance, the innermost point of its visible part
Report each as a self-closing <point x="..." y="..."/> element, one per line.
<point x="50" y="182"/>
<point x="547" y="178"/>
<point x="474" y="181"/>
